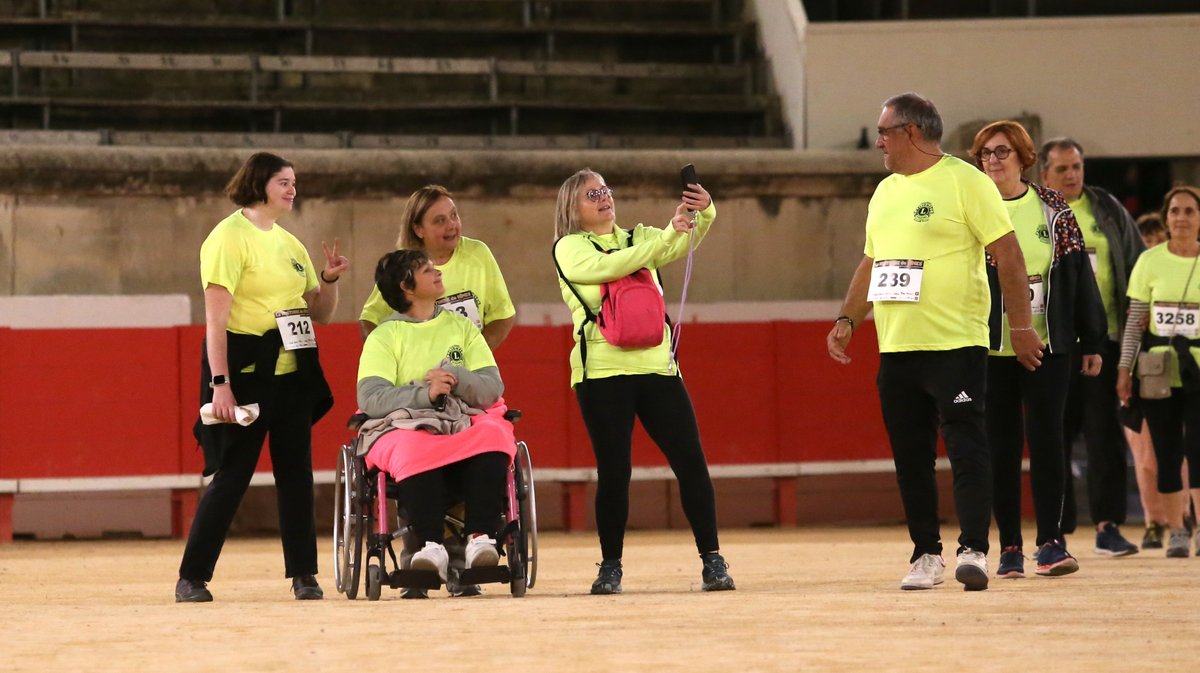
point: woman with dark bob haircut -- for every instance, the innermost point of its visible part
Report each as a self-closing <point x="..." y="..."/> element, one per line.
<point x="260" y="372"/>
<point x="1066" y="308"/>
<point x="422" y="357"/>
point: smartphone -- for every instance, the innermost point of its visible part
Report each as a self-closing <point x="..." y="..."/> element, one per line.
<point x="687" y="176"/>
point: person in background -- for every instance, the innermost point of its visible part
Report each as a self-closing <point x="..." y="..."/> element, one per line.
<point x="1165" y="297"/>
<point x="1066" y="308"/>
<point x="1145" y="466"/>
<point x="1113" y="245"/>
<point x="475" y="287"/>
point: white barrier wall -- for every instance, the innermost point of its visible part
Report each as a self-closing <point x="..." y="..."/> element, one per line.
<point x="783" y="25"/>
<point x="1122" y="86"/>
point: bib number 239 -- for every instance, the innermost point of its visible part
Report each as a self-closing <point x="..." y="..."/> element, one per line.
<point x="896" y="280"/>
<point x="296" y="329"/>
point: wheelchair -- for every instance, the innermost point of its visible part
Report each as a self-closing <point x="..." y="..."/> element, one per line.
<point x="361" y="523"/>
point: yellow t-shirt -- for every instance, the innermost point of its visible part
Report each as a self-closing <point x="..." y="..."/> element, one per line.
<point x="1033" y="234"/>
<point x="401" y="351"/>
<point x="474" y="287"/>
<point x="942" y="216"/>
<point x="1096" y="245"/>
<point x="1158" y="279"/>
<point x="588" y="268"/>
<point x="265" y="271"/>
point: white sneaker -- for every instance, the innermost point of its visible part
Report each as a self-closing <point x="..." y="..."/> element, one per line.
<point x="972" y="570"/>
<point x="481" y="552"/>
<point x="925" y="573"/>
<point x="432" y="557"/>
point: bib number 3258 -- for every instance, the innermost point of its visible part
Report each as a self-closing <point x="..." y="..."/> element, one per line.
<point x="296" y="329"/>
<point x="896" y="280"/>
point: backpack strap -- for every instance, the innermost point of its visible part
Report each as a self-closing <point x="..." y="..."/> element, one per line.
<point x="587" y="312"/>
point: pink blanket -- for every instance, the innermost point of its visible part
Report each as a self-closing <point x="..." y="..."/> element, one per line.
<point x="403" y="453"/>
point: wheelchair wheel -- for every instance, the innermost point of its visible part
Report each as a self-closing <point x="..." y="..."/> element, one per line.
<point x="522" y="546"/>
<point x="347" y="524"/>
<point x="374" y="581"/>
<point x="527" y="506"/>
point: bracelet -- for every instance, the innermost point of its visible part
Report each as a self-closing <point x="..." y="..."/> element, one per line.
<point x="326" y="280"/>
<point x="847" y="319"/>
<point x="1020" y="329"/>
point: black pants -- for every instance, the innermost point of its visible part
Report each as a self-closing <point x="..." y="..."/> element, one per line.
<point x="1175" y="430"/>
<point x="609" y="406"/>
<point x="1024" y="405"/>
<point x="921" y="392"/>
<point x="1092" y="406"/>
<point x="479" y="481"/>
<point x="287" y="415"/>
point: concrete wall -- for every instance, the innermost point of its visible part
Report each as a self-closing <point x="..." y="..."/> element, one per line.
<point x="113" y="220"/>
<point x="1123" y="86"/>
<point x="783" y="25"/>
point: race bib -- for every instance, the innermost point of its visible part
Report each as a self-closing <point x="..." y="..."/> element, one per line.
<point x="896" y="280"/>
<point x="463" y="304"/>
<point x="1037" y="295"/>
<point x="1173" y="319"/>
<point x="296" y="329"/>
<point x="1091" y="253"/>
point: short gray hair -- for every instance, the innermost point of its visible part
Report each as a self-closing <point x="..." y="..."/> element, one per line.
<point x="913" y="108"/>
<point x="566" y="211"/>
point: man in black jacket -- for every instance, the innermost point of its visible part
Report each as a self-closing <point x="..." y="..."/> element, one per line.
<point x="1113" y="245"/>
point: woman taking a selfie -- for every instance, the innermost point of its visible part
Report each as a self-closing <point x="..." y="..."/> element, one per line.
<point x="617" y="383"/>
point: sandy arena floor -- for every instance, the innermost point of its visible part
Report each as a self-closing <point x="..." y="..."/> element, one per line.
<point x="812" y="599"/>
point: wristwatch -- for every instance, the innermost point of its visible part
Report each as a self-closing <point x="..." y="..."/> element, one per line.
<point x="218" y="380"/>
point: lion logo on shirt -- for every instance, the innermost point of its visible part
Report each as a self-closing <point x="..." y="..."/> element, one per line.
<point x="923" y="212"/>
<point x="455" y="355"/>
<point x="1043" y="233"/>
<point x="297" y="266"/>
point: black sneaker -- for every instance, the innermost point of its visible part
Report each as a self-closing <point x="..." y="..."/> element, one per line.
<point x="1153" y="538"/>
<point x="1053" y="559"/>
<point x="413" y="593"/>
<point x="306" y="588"/>
<point x="190" y="591"/>
<point x="1110" y="542"/>
<point x="1012" y="563"/>
<point x="608" y="580"/>
<point x="715" y="573"/>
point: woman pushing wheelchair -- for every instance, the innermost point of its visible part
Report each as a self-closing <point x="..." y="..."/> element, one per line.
<point x="425" y="368"/>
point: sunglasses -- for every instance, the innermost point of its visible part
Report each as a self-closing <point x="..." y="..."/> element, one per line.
<point x="597" y="194"/>
<point x="1001" y="153"/>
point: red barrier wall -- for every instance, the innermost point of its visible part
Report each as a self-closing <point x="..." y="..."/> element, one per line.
<point x="103" y="402"/>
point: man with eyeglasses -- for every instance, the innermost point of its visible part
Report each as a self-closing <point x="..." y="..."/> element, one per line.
<point x="1113" y="245"/>
<point x="928" y="226"/>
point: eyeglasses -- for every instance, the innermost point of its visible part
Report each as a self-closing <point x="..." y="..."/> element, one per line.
<point x="1001" y="153"/>
<point x="597" y="194"/>
<point x="883" y="130"/>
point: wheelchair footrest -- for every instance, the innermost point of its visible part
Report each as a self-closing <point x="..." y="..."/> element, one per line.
<point x="485" y="575"/>
<point x="414" y="579"/>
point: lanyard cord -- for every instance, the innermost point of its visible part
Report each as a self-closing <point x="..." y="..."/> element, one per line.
<point x="687" y="279"/>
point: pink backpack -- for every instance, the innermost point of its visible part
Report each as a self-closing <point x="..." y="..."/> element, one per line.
<point x="632" y="310"/>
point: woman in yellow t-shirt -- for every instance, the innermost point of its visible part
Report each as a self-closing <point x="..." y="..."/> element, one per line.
<point x="1164" y="315"/>
<point x="260" y="371"/>
<point x="475" y="287"/>
<point x="614" y="385"/>
<point x="1066" y="308"/>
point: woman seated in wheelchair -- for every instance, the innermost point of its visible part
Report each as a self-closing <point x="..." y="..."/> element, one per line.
<point x="429" y="374"/>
